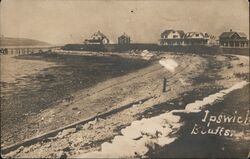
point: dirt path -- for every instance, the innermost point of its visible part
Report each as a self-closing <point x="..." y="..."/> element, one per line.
<point x="183" y="83"/>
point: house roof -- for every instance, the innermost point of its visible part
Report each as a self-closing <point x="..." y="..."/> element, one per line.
<point x="229" y="34"/>
<point x="241" y="34"/>
<point x="124" y="35"/>
<point x="191" y="34"/>
<point x="226" y="34"/>
<point x="99" y="33"/>
<point x="167" y="32"/>
<point x="211" y="36"/>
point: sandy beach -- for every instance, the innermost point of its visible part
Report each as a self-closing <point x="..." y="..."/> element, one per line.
<point x="184" y="74"/>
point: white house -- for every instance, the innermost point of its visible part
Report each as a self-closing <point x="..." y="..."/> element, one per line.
<point x="172" y="37"/>
<point x="199" y="38"/>
<point x="97" y="38"/>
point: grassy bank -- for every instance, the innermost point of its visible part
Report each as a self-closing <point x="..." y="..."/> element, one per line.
<point x="235" y="145"/>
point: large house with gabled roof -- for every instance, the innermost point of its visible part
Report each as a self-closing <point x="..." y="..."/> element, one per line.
<point x="199" y="38"/>
<point x="233" y="39"/>
<point x="172" y="37"/>
<point x="97" y="38"/>
<point x="178" y="37"/>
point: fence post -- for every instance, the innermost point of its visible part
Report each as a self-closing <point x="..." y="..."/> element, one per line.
<point x="164" y="84"/>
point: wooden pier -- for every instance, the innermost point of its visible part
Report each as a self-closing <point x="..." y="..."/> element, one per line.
<point x="26" y="50"/>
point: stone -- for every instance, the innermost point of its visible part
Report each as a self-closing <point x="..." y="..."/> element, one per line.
<point x="61" y="154"/>
<point x="52" y="138"/>
<point x="144" y="157"/>
<point x="47" y="146"/>
<point x="20" y="148"/>
<point x="66" y="132"/>
<point x="79" y="112"/>
<point x="67" y="148"/>
<point x="93" y="122"/>
<point x="86" y="126"/>
<point x="241" y="64"/>
<point x="134" y="105"/>
<point x="78" y="127"/>
<point x="27" y="149"/>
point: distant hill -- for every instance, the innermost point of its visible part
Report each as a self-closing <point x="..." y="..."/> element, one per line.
<point x="7" y="41"/>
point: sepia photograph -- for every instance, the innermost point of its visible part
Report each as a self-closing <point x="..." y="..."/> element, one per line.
<point x="124" y="79"/>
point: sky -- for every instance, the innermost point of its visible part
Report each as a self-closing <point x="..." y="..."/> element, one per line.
<point x="71" y="21"/>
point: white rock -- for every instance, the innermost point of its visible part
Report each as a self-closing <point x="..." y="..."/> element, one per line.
<point x="61" y="154"/>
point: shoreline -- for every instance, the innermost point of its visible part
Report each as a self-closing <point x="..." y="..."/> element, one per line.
<point x="58" y="72"/>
